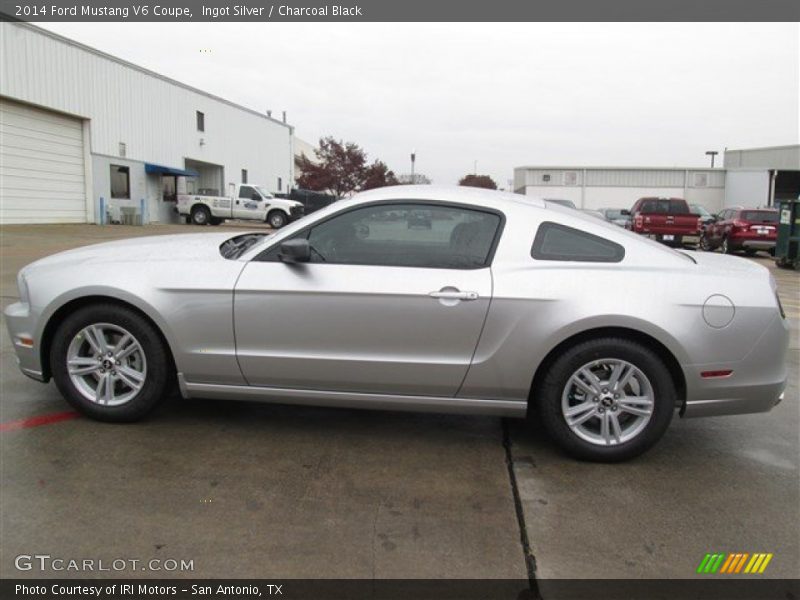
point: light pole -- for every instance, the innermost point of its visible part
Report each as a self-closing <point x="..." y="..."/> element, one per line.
<point x="413" y="160"/>
<point x="712" y="154"/>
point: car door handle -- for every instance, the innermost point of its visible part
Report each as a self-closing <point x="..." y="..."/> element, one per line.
<point x="454" y="295"/>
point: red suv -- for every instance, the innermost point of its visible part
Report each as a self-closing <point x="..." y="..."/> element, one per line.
<point x="747" y="229"/>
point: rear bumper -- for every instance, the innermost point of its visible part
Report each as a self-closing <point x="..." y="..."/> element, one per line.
<point x="754" y="243"/>
<point x="756" y="384"/>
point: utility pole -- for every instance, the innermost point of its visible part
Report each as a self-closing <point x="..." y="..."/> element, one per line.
<point x="413" y="160"/>
<point x="712" y="154"/>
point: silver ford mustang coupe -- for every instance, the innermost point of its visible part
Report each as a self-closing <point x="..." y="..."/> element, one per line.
<point x="416" y="298"/>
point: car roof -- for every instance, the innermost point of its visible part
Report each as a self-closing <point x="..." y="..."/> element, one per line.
<point x="452" y="193"/>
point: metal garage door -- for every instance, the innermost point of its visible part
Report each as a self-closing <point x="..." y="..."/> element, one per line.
<point x="41" y="166"/>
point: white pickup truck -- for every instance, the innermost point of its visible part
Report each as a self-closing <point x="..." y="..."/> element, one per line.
<point x="246" y="201"/>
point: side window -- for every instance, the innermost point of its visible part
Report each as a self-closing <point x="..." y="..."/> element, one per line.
<point x="407" y="235"/>
<point x="559" y="242"/>
<point x="246" y="191"/>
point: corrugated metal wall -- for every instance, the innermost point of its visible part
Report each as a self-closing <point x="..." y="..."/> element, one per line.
<point x="155" y="118"/>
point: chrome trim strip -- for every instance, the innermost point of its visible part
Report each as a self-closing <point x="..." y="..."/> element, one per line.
<point x="504" y="408"/>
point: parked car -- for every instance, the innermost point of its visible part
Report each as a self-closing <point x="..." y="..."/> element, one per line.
<point x="246" y="201"/>
<point x="561" y="202"/>
<point x="492" y="310"/>
<point x="701" y="211"/>
<point x="311" y="201"/>
<point x="617" y="216"/>
<point x="737" y="229"/>
<point x="593" y="213"/>
<point x="666" y="220"/>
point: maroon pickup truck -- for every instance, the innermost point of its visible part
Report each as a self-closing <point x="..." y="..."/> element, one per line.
<point x="668" y="220"/>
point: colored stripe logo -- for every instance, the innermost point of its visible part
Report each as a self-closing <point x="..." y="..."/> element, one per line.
<point x="734" y="563"/>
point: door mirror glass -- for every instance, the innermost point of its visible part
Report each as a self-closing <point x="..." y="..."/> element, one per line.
<point x="295" y="251"/>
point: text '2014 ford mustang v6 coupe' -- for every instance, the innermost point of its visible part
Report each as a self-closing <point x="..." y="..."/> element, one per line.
<point x="414" y="298"/>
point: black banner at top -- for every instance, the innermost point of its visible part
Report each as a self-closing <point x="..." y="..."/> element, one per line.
<point x="399" y="10"/>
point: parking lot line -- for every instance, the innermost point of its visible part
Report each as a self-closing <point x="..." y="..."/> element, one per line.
<point x="38" y="420"/>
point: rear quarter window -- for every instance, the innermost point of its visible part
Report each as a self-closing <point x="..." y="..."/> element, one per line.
<point x="554" y="241"/>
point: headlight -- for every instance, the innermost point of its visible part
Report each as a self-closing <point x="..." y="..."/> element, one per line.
<point x="22" y="286"/>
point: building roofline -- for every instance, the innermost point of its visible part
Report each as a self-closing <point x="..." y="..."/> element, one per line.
<point x="786" y="147"/>
<point x="125" y="63"/>
<point x="601" y="168"/>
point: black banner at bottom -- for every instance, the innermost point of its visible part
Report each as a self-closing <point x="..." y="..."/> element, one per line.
<point x="403" y="589"/>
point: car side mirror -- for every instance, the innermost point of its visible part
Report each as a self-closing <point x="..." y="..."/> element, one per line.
<point x="625" y="212"/>
<point x="297" y="250"/>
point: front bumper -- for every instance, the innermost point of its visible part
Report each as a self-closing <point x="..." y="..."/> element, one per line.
<point x="756" y="384"/>
<point x="296" y="212"/>
<point x="21" y="327"/>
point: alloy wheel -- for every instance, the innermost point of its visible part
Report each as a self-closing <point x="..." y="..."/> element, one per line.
<point x="106" y="364"/>
<point x="607" y="402"/>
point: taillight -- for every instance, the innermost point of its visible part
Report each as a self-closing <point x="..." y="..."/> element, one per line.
<point x="699" y="223"/>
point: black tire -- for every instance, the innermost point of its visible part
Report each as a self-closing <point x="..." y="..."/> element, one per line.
<point x="215" y="221"/>
<point x="704" y="244"/>
<point x="725" y="246"/>
<point x="201" y="215"/>
<point x="160" y="372"/>
<point x="750" y="252"/>
<point x="549" y="398"/>
<point x="277" y="219"/>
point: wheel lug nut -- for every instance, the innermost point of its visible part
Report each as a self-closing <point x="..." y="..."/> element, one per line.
<point x="113" y="372"/>
<point x="600" y="410"/>
<point x="110" y="354"/>
<point x="595" y="399"/>
<point x="118" y="362"/>
<point x="616" y="396"/>
<point x="605" y="390"/>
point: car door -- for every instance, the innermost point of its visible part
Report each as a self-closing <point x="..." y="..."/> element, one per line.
<point x="393" y="301"/>
<point x="247" y="205"/>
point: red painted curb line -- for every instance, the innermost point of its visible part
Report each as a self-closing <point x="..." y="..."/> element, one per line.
<point x="38" y="420"/>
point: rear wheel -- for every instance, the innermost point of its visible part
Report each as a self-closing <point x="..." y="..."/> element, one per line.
<point x="110" y="363"/>
<point x="750" y="252"/>
<point x="607" y="400"/>
<point x="201" y="215"/>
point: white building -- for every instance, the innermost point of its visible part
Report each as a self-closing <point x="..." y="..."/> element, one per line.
<point x="750" y="178"/>
<point x="762" y="176"/>
<point x="85" y="134"/>
<point x="620" y="187"/>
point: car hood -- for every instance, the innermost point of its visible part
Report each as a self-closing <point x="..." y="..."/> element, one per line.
<point x="142" y="249"/>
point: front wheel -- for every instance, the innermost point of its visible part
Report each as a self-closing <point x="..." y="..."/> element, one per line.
<point x="277" y="219"/>
<point x="607" y="400"/>
<point x="726" y="246"/>
<point x="704" y="244"/>
<point x="110" y="363"/>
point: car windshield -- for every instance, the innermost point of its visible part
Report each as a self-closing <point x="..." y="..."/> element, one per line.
<point x="263" y="191"/>
<point x="760" y="216"/>
<point x="614" y="213"/>
<point x="700" y="210"/>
